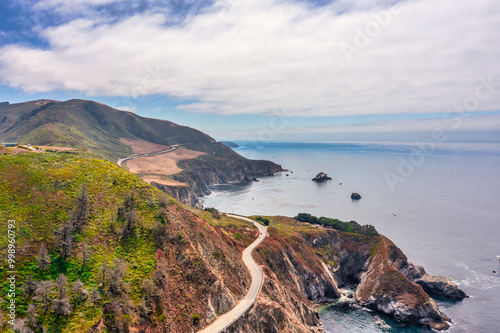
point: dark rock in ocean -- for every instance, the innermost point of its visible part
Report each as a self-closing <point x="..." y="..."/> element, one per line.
<point x="441" y="286"/>
<point x="230" y="144"/>
<point x="321" y="177"/>
<point x="355" y="196"/>
<point x="249" y="180"/>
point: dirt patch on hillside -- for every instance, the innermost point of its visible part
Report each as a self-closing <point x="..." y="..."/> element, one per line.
<point x="168" y="182"/>
<point x="163" y="164"/>
<point x="142" y="147"/>
<point x="57" y="148"/>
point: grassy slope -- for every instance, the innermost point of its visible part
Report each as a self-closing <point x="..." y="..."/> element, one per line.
<point x="96" y="128"/>
<point x="90" y="126"/>
<point x="39" y="190"/>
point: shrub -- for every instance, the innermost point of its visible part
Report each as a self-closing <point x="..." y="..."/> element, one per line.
<point x="211" y="210"/>
<point x="180" y="236"/>
<point x="351" y="226"/>
<point x="263" y="220"/>
<point x="196" y="318"/>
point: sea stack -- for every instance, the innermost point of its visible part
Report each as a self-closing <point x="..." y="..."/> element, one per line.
<point x="321" y="177"/>
<point x="355" y="196"/>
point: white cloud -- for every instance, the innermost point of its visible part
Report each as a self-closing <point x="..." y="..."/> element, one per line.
<point x="452" y="122"/>
<point x="257" y="56"/>
<point x="126" y="108"/>
<point x="68" y="6"/>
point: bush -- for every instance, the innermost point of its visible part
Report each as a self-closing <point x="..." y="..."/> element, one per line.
<point x="351" y="226"/>
<point x="211" y="210"/>
<point x="263" y="220"/>
<point x="196" y="318"/>
<point x="214" y="211"/>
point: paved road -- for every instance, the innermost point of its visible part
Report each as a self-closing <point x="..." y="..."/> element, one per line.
<point x="244" y="305"/>
<point x="172" y="148"/>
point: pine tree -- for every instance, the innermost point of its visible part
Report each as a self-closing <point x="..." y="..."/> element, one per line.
<point x="78" y="290"/>
<point x="61" y="304"/>
<point x="42" y="293"/>
<point x="83" y="208"/>
<point x="43" y="259"/>
<point x="66" y="239"/>
<point x="29" y="286"/>
<point x="116" y="286"/>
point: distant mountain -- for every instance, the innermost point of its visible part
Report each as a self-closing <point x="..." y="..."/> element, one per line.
<point x="97" y="129"/>
<point x="230" y="144"/>
<point x="88" y="125"/>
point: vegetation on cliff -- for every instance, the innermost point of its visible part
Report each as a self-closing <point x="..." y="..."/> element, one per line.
<point x="351" y="226"/>
<point x="96" y="129"/>
<point x="98" y="246"/>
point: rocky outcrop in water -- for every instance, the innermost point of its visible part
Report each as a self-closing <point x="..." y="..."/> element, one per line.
<point x="386" y="289"/>
<point x="313" y="263"/>
<point x="441" y="286"/>
<point x="355" y="196"/>
<point x="321" y="177"/>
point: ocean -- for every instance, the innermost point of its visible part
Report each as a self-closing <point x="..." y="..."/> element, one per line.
<point x="439" y="203"/>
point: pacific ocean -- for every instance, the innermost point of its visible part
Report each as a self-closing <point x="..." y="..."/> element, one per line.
<point x="438" y="202"/>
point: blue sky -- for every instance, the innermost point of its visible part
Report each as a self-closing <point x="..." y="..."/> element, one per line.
<point x="269" y="70"/>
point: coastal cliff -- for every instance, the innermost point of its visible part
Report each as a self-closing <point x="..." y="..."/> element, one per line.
<point x="221" y="165"/>
<point x="184" y="194"/>
<point x="146" y="262"/>
<point x="305" y="265"/>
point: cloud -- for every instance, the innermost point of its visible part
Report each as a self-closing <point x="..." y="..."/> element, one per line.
<point x="67" y="5"/>
<point x="125" y="108"/>
<point x="259" y="56"/>
<point x="453" y="122"/>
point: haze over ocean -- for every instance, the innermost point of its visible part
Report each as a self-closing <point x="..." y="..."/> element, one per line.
<point x="440" y="206"/>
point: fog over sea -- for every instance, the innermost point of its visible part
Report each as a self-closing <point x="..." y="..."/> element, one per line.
<point x="440" y="205"/>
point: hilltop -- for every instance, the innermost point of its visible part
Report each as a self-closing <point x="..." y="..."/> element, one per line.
<point x="104" y="132"/>
<point x="90" y="126"/>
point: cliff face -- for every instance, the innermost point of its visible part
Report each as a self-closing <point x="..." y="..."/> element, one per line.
<point x="142" y="262"/>
<point x="149" y="264"/>
<point x="221" y="165"/>
<point x="305" y="265"/>
<point x="184" y="194"/>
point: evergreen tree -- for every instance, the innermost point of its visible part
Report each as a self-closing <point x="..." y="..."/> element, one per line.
<point x="43" y="259"/>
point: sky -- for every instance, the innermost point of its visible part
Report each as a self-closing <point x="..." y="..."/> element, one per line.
<point x="282" y="70"/>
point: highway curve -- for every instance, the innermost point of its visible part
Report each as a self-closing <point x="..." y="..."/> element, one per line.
<point x="225" y="320"/>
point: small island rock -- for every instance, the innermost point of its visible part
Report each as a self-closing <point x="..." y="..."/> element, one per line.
<point x="355" y="196"/>
<point x="321" y="177"/>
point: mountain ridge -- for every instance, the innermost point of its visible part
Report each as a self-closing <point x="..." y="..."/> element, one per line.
<point x="98" y="129"/>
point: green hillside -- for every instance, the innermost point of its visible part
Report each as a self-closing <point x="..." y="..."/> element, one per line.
<point x="95" y="242"/>
<point x="89" y="126"/>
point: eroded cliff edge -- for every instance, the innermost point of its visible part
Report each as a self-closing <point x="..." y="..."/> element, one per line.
<point x="221" y="165"/>
<point x="306" y="264"/>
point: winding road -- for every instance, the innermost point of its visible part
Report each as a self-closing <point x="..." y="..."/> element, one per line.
<point x="227" y="319"/>
<point x="172" y="148"/>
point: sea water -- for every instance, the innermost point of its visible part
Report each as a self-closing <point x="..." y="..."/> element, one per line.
<point x="439" y="204"/>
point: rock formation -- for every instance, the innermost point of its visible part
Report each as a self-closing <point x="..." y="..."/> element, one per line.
<point x="355" y="196"/>
<point x="183" y="194"/>
<point x="321" y="177"/>
<point x="311" y="264"/>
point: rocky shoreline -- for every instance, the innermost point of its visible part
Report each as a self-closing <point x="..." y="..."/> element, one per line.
<point x="318" y="265"/>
